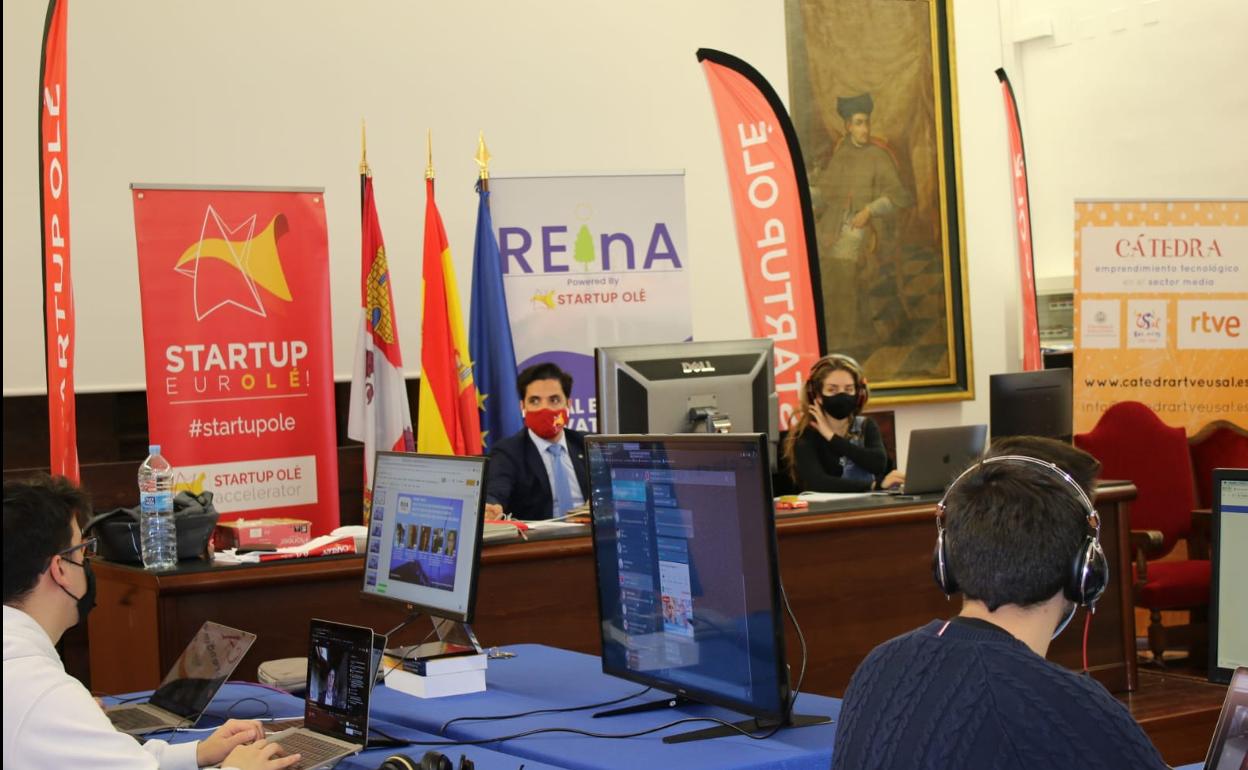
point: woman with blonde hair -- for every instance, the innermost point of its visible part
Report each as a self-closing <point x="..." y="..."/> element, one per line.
<point x="834" y="447"/>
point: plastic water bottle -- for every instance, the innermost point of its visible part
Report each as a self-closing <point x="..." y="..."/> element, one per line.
<point x="156" y="524"/>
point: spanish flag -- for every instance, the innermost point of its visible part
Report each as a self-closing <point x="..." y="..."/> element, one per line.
<point x="447" y="420"/>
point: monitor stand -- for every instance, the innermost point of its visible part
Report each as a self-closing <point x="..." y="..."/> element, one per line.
<point x="749" y="726"/>
<point x="454" y="638"/>
<point x="720" y="731"/>
<point x="674" y="701"/>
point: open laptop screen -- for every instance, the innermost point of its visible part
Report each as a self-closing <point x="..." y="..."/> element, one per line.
<point x="203" y="667"/>
<point x="339" y="664"/>
<point x="1229" y="748"/>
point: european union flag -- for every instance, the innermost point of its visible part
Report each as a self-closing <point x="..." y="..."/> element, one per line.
<point x="489" y="334"/>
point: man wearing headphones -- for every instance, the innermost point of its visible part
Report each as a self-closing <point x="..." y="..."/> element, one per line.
<point x="50" y="719"/>
<point x="1019" y="538"/>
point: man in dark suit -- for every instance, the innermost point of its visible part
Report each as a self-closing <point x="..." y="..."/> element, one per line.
<point x="540" y="472"/>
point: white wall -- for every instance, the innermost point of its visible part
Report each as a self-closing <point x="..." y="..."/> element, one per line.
<point x="272" y="93"/>
<point x="1128" y="99"/>
<point x="235" y="92"/>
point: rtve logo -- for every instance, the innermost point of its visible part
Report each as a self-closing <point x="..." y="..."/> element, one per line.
<point x="1212" y="324"/>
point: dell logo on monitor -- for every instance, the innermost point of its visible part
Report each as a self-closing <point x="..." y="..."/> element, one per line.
<point x="696" y="367"/>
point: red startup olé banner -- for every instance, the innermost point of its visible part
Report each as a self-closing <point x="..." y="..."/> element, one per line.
<point x="58" y="285"/>
<point x="1032" y="360"/>
<point x="236" y="332"/>
<point x="775" y="227"/>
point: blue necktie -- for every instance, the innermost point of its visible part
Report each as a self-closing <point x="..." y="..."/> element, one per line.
<point x="563" y="490"/>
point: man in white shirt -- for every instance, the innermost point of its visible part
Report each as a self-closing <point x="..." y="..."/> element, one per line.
<point x="50" y="719"/>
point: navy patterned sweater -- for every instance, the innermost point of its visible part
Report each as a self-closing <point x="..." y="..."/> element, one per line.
<point x="974" y="697"/>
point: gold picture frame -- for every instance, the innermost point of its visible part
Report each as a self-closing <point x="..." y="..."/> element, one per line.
<point x="873" y="95"/>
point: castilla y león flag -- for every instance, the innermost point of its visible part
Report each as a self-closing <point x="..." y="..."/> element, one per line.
<point x="234" y="287"/>
<point x="379" y="416"/>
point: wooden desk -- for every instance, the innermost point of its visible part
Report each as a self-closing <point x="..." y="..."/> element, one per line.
<point x="854" y="577"/>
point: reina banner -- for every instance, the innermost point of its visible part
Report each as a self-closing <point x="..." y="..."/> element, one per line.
<point x="775" y="224"/>
<point x="591" y="261"/>
<point x="236" y="330"/>
<point x="58" y="285"/>
<point x="1161" y="306"/>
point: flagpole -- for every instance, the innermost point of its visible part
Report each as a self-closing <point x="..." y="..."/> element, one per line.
<point x="483" y="160"/>
<point x="365" y="171"/>
<point x="429" y="151"/>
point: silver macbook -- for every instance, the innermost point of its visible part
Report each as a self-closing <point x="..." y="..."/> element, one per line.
<point x="1229" y="748"/>
<point x="336" y="703"/>
<point x="210" y="658"/>
<point x="938" y="455"/>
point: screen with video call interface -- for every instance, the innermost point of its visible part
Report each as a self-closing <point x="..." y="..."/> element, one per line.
<point x="339" y="668"/>
<point x="684" y="542"/>
<point x="422" y="530"/>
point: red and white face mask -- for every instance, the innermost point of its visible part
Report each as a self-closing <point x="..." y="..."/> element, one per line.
<point x="546" y="422"/>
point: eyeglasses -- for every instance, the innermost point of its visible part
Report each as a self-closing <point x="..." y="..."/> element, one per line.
<point x="89" y="547"/>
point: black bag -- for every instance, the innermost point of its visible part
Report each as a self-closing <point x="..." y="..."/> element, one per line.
<point x="194" y="517"/>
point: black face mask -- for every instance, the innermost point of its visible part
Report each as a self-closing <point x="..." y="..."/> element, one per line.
<point x="86" y="602"/>
<point x="840" y="406"/>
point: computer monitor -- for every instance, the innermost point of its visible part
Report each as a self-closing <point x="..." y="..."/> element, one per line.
<point x="424" y="534"/>
<point x="1228" y="610"/>
<point x="1039" y="403"/>
<point x="688" y="585"/>
<point x="689" y="387"/>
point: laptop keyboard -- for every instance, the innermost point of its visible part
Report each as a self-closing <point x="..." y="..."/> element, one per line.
<point x="278" y="725"/>
<point x="135" y="719"/>
<point x="314" y="750"/>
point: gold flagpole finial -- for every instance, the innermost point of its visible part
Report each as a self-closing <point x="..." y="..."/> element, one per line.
<point x="429" y="150"/>
<point x="483" y="156"/>
<point x="363" y="149"/>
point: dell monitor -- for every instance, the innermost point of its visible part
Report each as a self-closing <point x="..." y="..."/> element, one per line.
<point x="689" y="387"/>
<point x="688" y="584"/>
<point x="424" y="534"/>
<point x="1039" y="403"/>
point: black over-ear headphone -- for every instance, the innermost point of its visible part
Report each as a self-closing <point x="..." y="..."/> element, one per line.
<point x="1089" y="569"/>
<point x="821" y="369"/>
<point x="432" y="760"/>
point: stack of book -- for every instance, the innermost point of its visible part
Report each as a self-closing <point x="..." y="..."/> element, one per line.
<point x="439" y="677"/>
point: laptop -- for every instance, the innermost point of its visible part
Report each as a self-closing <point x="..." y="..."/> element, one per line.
<point x="1229" y="748"/>
<point x="206" y="663"/>
<point x="336" y="702"/>
<point x="938" y="455"/>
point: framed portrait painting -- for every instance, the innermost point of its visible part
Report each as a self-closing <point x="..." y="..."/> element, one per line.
<point x="874" y="103"/>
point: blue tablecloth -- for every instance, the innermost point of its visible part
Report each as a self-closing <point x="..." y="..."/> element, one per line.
<point x="250" y="701"/>
<point x="1193" y="766"/>
<point x="543" y="677"/>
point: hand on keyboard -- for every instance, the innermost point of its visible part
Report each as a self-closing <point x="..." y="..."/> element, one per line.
<point x="261" y="755"/>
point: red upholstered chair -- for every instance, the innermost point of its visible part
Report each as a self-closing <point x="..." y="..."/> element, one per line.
<point x="1133" y="443"/>
<point x="1219" y="444"/>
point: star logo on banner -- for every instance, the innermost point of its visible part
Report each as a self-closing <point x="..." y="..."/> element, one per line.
<point x="227" y="264"/>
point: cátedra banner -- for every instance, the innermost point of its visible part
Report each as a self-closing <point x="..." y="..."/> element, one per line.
<point x="236" y="330"/>
<point x="58" y="285"/>
<point x="775" y="227"/>
<point x="1161" y="309"/>
<point x="591" y="261"/>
